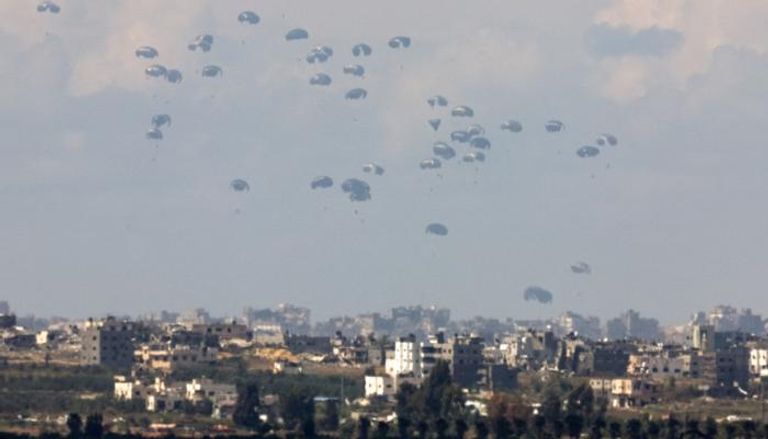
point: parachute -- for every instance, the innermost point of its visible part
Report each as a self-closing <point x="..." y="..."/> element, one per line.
<point x="480" y="143"/>
<point x="160" y="120"/>
<point x="211" y="71"/>
<point x="474" y="156"/>
<point x="443" y="150"/>
<point x="436" y="229"/>
<point x="462" y="111"/>
<point x="156" y="71"/>
<point x="147" y="52"/>
<point x="475" y="130"/>
<point x="362" y="49"/>
<point x="609" y="139"/>
<point x="437" y="101"/>
<point x="434" y="123"/>
<point x="356" y="94"/>
<point x="154" y="134"/>
<point x="248" y="17"/>
<point x="373" y="168"/>
<point x="203" y="42"/>
<point x="400" y="42"/>
<point x="354" y="70"/>
<point x="296" y="34"/>
<point x="538" y="294"/>
<point x="512" y="126"/>
<point x="173" y="76"/>
<point x="460" y="136"/>
<point x="432" y="163"/>
<point x="319" y="54"/>
<point x="554" y="126"/>
<point x="239" y="185"/>
<point x="320" y="79"/>
<point x="47" y="6"/>
<point x="322" y="182"/>
<point x="581" y="268"/>
<point x="358" y="190"/>
<point x="587" y="151"/>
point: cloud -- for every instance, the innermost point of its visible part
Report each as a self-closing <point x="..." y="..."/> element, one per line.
<point x="611" y="41"/>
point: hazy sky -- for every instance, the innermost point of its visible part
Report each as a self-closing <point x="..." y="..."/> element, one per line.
<point x="94" y="218"/>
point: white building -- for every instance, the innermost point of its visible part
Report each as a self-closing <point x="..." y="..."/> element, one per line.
<point x="407" y="359"/>
<point x="207" y="390"/>
<point x="758" y="362"/>
<point x="379" y="386"/>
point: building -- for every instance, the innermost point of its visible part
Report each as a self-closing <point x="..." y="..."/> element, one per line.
<point x="107" y="343"/>
<point x="379" y="386"/>
<point x="703" y="337"/>
<point x="407" y="359"/>
<point x="632" y="392"/>
<point x="168" y="358"/>
<point x="631" y="326"/>
<point x="758" y="362"/>
<point x="200" y="390"/>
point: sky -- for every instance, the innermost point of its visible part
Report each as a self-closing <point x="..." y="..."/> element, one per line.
<point x="96" y="219"/>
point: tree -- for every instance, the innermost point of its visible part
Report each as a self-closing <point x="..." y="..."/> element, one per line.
<point x="423" y="429"/>
<point x="710" y="428"/>
<point x="634" y="429"/>
<point x="692" y="428"/>
<point x="748" y="428"/>
<point x="653" y="429"/>
<point x="597" y="427"/>
<point x="308" y="427"/>
<point x="673" y="425"/>
<point x="441" y="428"/>
<point x="403" y="424"/>
<point x="539" y="422"/>
<point x="245" y="414"/>
<point x="363" y="426"/>
<point x="502" y="429"/>
<point x="614" y="429"/>
<point x="730" y="430"/>
<point x="94" y="426"/>
<point x="461" y="428"/>
<point x="75" y="425"/>
<point x="382" y="430"/>
<point x="481" y="429"/>
<point x="574" y="424"/>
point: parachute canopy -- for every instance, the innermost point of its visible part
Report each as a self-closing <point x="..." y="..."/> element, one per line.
<point x="587" y="151"/>
<point x="475" y="130"/>
<point x="211" y="71"/>
<point x="296" y="34"/>
<point x="554" y="126"/>
<point x="47" y="6"/>
<point x="537" y="294"/>
<point x="434" y="123"/>
<point x="321" y="182"/>
<point x="156" y="71"/>
<point x="248" y="17"/>
<point x="443" y="150"/>
<point x="354" y="70"/>
<point x="373" y="168"/>
<point x="432" y="163"/>
<point x="480" y="143"/>
<point x="400" y="42"/>
<point x="460" y="136"/>
<point x="362" y="49"/>
<point x="319" y="54"/>
<point x="147" y="52"/>
<point x="462" y="111"/>
<point x="239" y="185"/>
<point x="160" y="120"/>
<point x="581" y="268"/>
<point x="512" y="126"/>
<point x="437" y="101"/>
<point x="173" y="76"/>
<point x="320" y="79"/>
<point x="436" y="229"/>
<point x="474" y="156"/>
<point x="356" y="93"/>
<point x="154" y="134"/>
<point x="203" y="42"/>
<point x="358" y="190"/>
<point x="608" y="139"/>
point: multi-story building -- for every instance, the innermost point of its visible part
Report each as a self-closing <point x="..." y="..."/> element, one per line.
<point x="107" y="343"/>
<point x="167" y="358"/>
